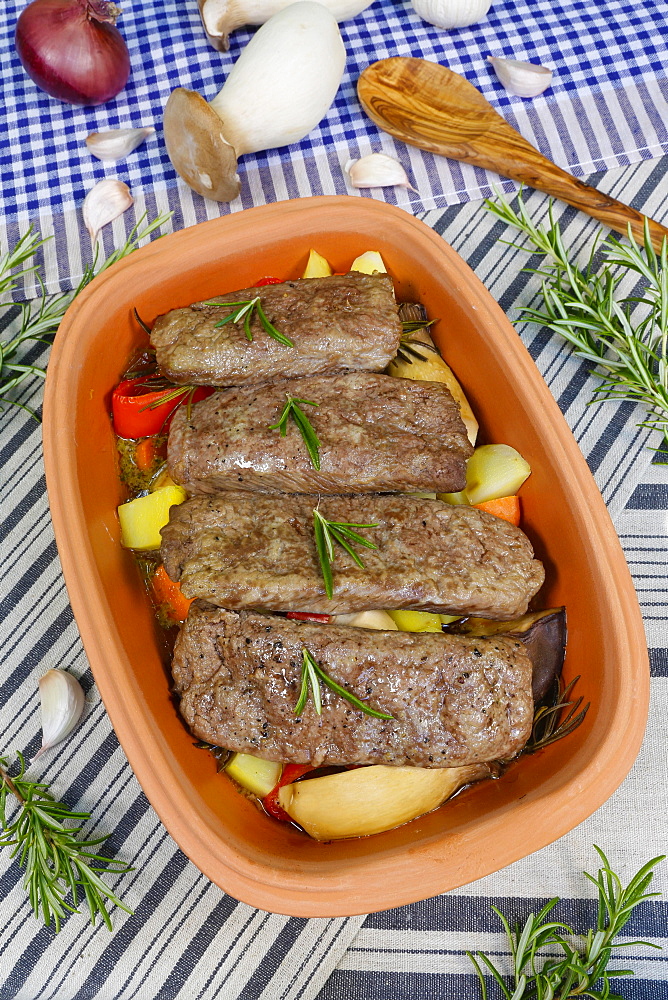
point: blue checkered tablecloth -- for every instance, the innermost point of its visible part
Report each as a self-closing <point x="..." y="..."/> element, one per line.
<point x="607" y="107"/>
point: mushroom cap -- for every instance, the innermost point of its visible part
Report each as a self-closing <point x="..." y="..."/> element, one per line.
<point x="215" y="15"/>
<point x="195" y="143"/>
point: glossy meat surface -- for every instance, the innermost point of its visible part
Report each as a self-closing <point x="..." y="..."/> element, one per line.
<point x="238" y="551"/>
<point x="338" y="323"/>
<point x="454" y="700"/>
<point x="377" y="434"/>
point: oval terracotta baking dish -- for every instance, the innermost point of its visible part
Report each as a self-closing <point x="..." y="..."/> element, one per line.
<point x="250" y="856"/>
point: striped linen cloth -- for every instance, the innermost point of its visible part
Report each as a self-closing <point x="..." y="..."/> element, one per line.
<point x="187" y="939"/>
<point x="607" y="107"/>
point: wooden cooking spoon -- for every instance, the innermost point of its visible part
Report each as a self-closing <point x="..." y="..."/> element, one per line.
<point x="428" y="106"/>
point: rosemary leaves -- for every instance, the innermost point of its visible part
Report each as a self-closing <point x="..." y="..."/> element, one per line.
<point x="327" y="533"/>
<point x="628" y="348"/>
<point x="310" y="438"/>
<point x="568" y="970"/>
<point x="40" y="320"/>
<point x="312" y="675"/>
<point x="56" y="861"/>
<point x="245" y="310"/>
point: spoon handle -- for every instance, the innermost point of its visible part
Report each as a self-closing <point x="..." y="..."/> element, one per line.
<point x="538" y="172"/>
<point x="429" y="106"/>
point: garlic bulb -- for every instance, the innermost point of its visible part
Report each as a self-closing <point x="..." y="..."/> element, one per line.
<point x="377" y="170"/>
<point x="62" y="701"/>
<point x="451" y="13"/>
<point x="521" y="78"/>
<point x="104" y="203"/>
<point x="117" y="143"/>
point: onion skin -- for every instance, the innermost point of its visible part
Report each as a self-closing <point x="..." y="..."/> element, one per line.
<point x="72" y="49"/>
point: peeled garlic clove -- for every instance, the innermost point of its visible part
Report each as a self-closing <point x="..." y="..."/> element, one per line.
<point x="377" y="170"/>
<point x="117" y="143"/>
<point x="104" y="203"/>
<point x="62" y="701"/>
<point x="521" y="78"/>
<point x="451" y="13"/>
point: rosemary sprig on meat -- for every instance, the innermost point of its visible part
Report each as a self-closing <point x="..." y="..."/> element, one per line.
<point x="245" y="310"/>
<point x="292" y="409"/>
<point x="41" y="319"/>
<point x="312" y="675"/>
<point x="573" y="971"/>
<point x="629" y="349"/>
<point x="56" y="861"/>
<point x="327" y="533"/>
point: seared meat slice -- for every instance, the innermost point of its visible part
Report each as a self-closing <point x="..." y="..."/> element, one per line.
<point x="241" y="551"/>
<point x="377" y="434"/>
<point x="455" y="700"/>
<point x="343" y="322"/>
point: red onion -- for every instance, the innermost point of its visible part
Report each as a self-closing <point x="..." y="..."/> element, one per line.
<point x="72" y="49"/>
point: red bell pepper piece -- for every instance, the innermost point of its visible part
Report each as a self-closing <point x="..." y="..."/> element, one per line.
<point x="309" y="616"/>
<point x="134" y="412"/>
<point x="270" y="802"/>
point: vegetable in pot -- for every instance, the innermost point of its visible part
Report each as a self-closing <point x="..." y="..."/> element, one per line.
<point x="141" y="519"/>
<point x="494" y="471"/>
<point x="256" y="775"/>
<point x="419" y="359"/>
<point x="139" y="411"/>
<point x="370" y="800"/>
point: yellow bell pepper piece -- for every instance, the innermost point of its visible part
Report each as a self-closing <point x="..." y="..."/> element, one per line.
<point x="416" y="621"/>
<point x="142" y="519"/>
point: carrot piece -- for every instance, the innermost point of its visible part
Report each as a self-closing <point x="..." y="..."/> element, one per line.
<point x="145" y="454"/>
<point x="507" y="508"/>
<point x="168" y="594"/>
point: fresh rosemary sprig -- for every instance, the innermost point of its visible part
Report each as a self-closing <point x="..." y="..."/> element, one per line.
<point x="548" y="724"/>
<point x="329" y="532"/>
<point x="409" y="348"/>
<point x="631" y="353"/>
<point x="292" y="409"/>
<point x="41" y="319"/>
<point x="573" y="972"/>
<point x="312" y="674"/>
<point x="55" y="861"/>
<point x="244" y="311"/>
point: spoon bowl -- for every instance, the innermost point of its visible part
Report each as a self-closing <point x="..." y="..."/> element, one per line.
<point x="429" y="106"/>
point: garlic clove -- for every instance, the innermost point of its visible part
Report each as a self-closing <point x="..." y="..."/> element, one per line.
<point x="521" y="78"/>
<point x="117" y="143"/>
<point x="104" y="203"/>
<point x="62" y="699"/>
<point x="377" y="170"/>
<point x="450" y="14"/>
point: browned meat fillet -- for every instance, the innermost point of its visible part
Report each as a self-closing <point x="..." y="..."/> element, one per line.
<point x="454" y="700"/>
<point x="343" y="322"/>
<point x="377" y="434"/>
<point x="241" y="551"/>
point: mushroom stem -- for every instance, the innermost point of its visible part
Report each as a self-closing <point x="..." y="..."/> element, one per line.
<point x="281" y="86"/>
<point x="221" y="17"/>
